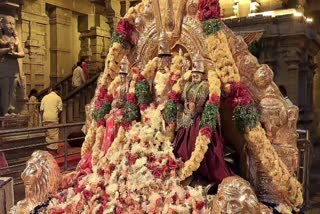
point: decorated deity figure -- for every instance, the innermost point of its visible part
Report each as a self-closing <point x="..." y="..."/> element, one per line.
<point x="195" y="94"/>
<point x="119" y="89"/>
<point x="10" y="76"/>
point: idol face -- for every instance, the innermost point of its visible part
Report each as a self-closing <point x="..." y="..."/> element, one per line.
<point x="8" y="25"/>
<point x="196" y="77"/>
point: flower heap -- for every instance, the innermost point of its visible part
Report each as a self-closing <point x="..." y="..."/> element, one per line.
<point x="123" y="33"/>
<point x="102" y="106"/>
<point x="113" y="184"/>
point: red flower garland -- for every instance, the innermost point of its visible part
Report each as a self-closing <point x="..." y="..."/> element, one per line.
<point x="208" y="9"/>
<point x="206" y="131"/>
<point x="125" y="29"/>
<point x="214" y="99"/>
<point x="173" y="95"/>
<point x="131" y="98"/>
<point x="239" y="95"/>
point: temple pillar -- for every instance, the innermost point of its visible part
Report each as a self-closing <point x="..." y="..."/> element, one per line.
<point x="60" y="43"/>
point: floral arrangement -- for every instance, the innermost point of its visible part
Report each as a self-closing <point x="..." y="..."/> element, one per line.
<point x="123" y="33"/>
<point x="131" y="109"/>
<point x="208" y="9"/>
<point x="170" y="111"/>
<point x="114" y="185"/>
<point x="102" y="106"/>
<point x="245" y="113"/>
<point x="142" y="90"/>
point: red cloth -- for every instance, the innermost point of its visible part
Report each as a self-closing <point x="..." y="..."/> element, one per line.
<point x="111" y="131"/>
<point x="3" y="160"/>
<point x="213" y="166"/>
<point x="85" y="70"/>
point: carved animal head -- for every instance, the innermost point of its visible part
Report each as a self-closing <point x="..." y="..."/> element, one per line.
<point x="41" y="177"/>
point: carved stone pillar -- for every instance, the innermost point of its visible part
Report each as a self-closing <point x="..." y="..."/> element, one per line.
<point x="60" y="39"/>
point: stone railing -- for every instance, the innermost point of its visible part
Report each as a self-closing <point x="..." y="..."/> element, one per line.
<point x="74" y="103"/>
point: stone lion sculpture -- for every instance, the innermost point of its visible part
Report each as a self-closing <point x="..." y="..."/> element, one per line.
<point x="41" y="179"/>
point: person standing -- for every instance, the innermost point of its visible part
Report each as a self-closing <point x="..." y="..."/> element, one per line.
<point x="51" y="107"/>
<point x="78" y="77"/>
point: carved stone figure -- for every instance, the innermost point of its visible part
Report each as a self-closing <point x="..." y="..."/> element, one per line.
<point x="10" y="76"/>
<point x="235" y="196"/>
<point x="41" y="179"/>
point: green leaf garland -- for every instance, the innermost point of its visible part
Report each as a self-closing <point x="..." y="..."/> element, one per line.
<point x="246" y="117"/>
<point x="98" y="114"/>
<point x="209" y="116"/>
<point x="142" y="92"/>
<point x="131" y="112"/>
<point x="170" y="111"/>
<point x="116" y="37"/>
<point x="211" y="26"/>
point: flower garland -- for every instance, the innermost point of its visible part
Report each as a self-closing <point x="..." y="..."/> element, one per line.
<point x="210" y="113"/>
<point x="208" y="9"/>
<point x="123" y="33"/>
<point x="211" y="26"/>
<point x="142" y="91"/>
<point x="131" y="109"/>
<point x="245" y="113"/>
<point x="170" y="110"/>
<point x="102" y="106"/>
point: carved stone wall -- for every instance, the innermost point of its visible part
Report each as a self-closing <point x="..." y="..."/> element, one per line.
<point x="57" y="33"/>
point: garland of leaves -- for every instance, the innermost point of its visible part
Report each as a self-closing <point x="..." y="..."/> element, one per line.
<point x="118" y="38"/>
<point x="142" y="91"/>
<point x="98" y="114"/>
<point x="246" y="117"/>
<point x="211" y="26"/>
<point x="170" y="112"/>
<point x="256" y="47"/>
<point x="209" y="116"/>
<point x="131" y="112"/>
<point x="245" y="112"/>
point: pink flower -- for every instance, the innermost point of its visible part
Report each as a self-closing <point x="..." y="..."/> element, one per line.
<point x="143" y="107"/>
<point x="79" y="188"/>
<point x="157" y="173"/>
<point x="139" y="78"/>
<point x="206" y="131"/>
<point x="101" y="122"/>
<point x="187" y="195"/>
<point x="57" y="211"/>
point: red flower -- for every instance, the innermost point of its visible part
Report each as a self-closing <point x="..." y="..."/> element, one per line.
<point x="214" y="99"/>
<point x="175" y="197"/>
<point x="125" y="29"/>
<point x="239" y="95"/>
<point x="206" y="131"/>
<point x="157" y="173"/>
<point x="131" y="98"/>
<point x="151" y="159"/>
<point x="173" y="95"/>
<point x="112" y="166"/>
<point x="101" y="123"/>
<point x="200" y="205"/>
<point x="57" y="211"/>
<point x="87" y="194"/>
<point x="139" y="78"/>
<point x="79" y="188"/>
<point x="132" y="158"/>
<point x="86" y="163"/>
<point x="172" y="164"/>
<point x="208" y="9"/>
<point x="143" y="107"/>
<point x="121" y="200"/>
<point x="187" y="195"/>
<point x="126" y="126"/>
